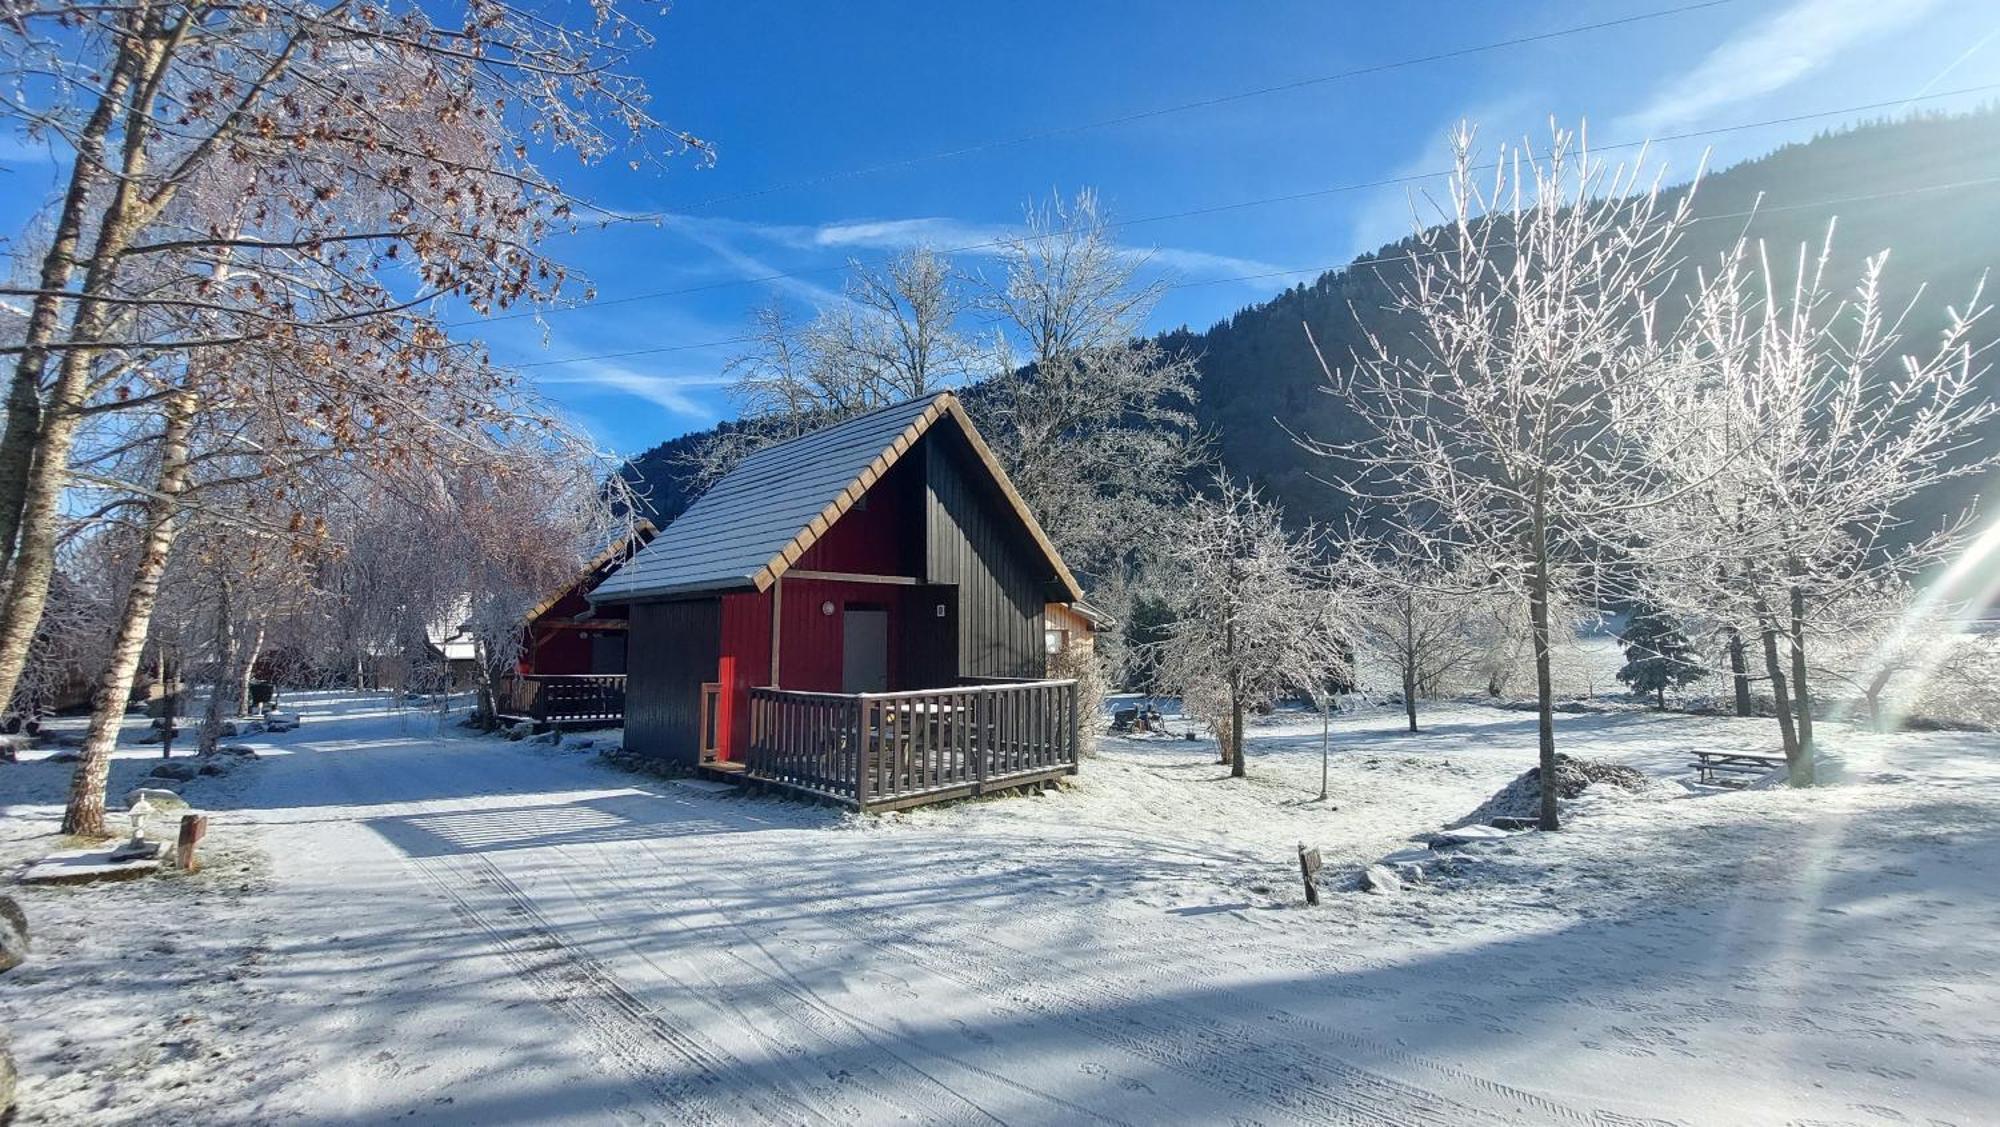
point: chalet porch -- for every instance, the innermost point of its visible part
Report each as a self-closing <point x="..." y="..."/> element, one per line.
<point x="561" y="700"/>
<point x="886" y="751"/>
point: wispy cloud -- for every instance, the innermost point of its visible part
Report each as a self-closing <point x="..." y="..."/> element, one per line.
<point x="974" y="240"/>
<point x="1768" y="56"/>
<point x="675" y="393"/>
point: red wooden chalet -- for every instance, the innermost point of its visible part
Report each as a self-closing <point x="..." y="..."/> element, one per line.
<point x="858" y="613"/>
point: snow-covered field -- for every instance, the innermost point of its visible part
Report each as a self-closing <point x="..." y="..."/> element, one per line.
<point x="401" y="921"/>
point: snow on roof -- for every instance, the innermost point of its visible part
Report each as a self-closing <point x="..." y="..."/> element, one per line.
<point x="755" y="522"/>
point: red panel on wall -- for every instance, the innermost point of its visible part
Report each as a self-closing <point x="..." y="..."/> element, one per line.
<point x="883" y="538"/>
<point x="809" y="645"/>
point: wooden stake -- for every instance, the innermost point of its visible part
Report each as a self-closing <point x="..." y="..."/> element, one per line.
<point x="1309" y="869"/>
<point x="194" y="827"/>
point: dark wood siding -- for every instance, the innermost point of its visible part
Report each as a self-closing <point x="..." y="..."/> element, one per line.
<point x="975" y="544"/>
<point x="670" y="650"/>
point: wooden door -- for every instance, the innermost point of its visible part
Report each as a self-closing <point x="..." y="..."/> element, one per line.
<point x="864" y="650"/>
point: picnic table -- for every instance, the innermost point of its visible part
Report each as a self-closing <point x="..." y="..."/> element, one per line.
<point x="1713" y="767"/>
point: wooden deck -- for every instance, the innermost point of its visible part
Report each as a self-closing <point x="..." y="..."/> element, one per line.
<point x="563" y="700"/>
<point x="887" y="751"/>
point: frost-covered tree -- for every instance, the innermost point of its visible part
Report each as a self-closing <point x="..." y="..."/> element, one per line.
<point x="1095" y="426"/>
<point x="1805" y="422"/>
<point x="1250" y="617"/>
<point x="1420" y="615"/>
<point x="1530" y="313"/>
<point x="894" y="335"/>
<point x="1658" y="656"/>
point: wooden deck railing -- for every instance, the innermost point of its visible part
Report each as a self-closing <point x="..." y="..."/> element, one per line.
<point x="563" y="698"/>
<point x="884" y="750"/>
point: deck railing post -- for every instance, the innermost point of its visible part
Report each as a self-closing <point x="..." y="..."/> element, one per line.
<point x="862" y="759"/>
<point x="1075" y="728"/>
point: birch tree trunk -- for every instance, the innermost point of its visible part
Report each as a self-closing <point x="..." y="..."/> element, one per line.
<point x="40" y="520"/>
<point x="85" y="813"/>
<point x="24" y="396"/>
<point x="249" y="672"/>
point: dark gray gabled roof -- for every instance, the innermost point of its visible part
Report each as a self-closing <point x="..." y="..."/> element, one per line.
<point x="730" y="537"/>
<point x="753" y="524"/>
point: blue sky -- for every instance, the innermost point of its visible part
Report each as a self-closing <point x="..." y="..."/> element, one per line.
<point x="789" y="91"/>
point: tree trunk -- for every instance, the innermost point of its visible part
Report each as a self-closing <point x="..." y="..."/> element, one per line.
<point x="1803" y="769"/>
<point x="1325" y="739"/>
<point x="1237" y="768"/>
<point x="85" y="813"/>
<point x="1775" y="669"/>
<point x="1660" y="698"/>
<point x="1739" y="672"/>
<point x="1538" y="614"/>
<point x="40" y="509"/>
<point x="225" y="666"/>
<point x="249" y="673"/>
<point x="24" y="396"/>
<point x="1410" y="663"/>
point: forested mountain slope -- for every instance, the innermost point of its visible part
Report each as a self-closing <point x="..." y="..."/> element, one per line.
<point x="1928" y="187"/>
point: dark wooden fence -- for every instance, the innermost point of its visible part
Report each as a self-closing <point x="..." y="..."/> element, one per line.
<point x="563" y="698"/>
<point x="878" y="751"/>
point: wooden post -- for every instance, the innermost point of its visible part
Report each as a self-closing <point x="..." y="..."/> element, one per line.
<point x="777" y="615"/>
<point x="194" y="827"/>
<point x="1309" y="869"/>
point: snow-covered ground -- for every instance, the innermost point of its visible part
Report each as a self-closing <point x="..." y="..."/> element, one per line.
<point x="402" y="921"/>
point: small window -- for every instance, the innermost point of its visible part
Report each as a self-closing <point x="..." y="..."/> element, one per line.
<point x="1055" y="641"/>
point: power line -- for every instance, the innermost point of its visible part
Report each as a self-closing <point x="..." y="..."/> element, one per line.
<point x="1376" y="264"/>
<point x="1197" y="104"/>
<point x="1238" y="205"/>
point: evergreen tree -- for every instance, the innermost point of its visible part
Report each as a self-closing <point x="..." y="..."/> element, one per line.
<point x="1657" y="655"/>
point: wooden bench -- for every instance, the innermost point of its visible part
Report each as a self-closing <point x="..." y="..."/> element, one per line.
<point x="1708" y="764"/>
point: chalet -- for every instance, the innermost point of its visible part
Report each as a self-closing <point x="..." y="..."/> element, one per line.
<point x="858" y="614"/>
<point x="572" y="664"/>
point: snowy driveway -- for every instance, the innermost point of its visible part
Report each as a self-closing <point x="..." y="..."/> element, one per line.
<point x="467" y="930"/>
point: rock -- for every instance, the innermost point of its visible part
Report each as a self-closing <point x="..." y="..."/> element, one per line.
<point x="13" y="935"/>
<point x="520" y="730"/>
<point x="1467" y="835"/>
<point x="178" y="770"/>
<point x="550" y="737"/>
<point x="159" y="798"/>
<point x="578" y="743"/>
<point x="1381" y="879"/>
<point x="11" y="747"/>
<point x="63" y="756"/>
<point x="80" y="866"/>
<point x="213" y="767"/>
<point x="136" y="851"/>
<point x="237" y="750"/>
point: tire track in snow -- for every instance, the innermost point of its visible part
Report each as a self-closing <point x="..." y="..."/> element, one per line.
<point x="785" y="980"/>
<point x="1190" y="1044"/>
<point x="682" y="1071"/>
<point x="845" y="1067"/>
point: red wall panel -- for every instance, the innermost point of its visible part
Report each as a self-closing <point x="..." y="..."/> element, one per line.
<point x="809" y="646"/>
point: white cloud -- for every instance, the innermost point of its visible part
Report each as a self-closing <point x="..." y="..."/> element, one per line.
<point x="1768" y="56"/>
<point x="939" y="232"/>
<point x="670" y="392"/>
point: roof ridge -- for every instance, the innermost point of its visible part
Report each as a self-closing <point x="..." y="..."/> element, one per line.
<point x="900" y="404"/>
